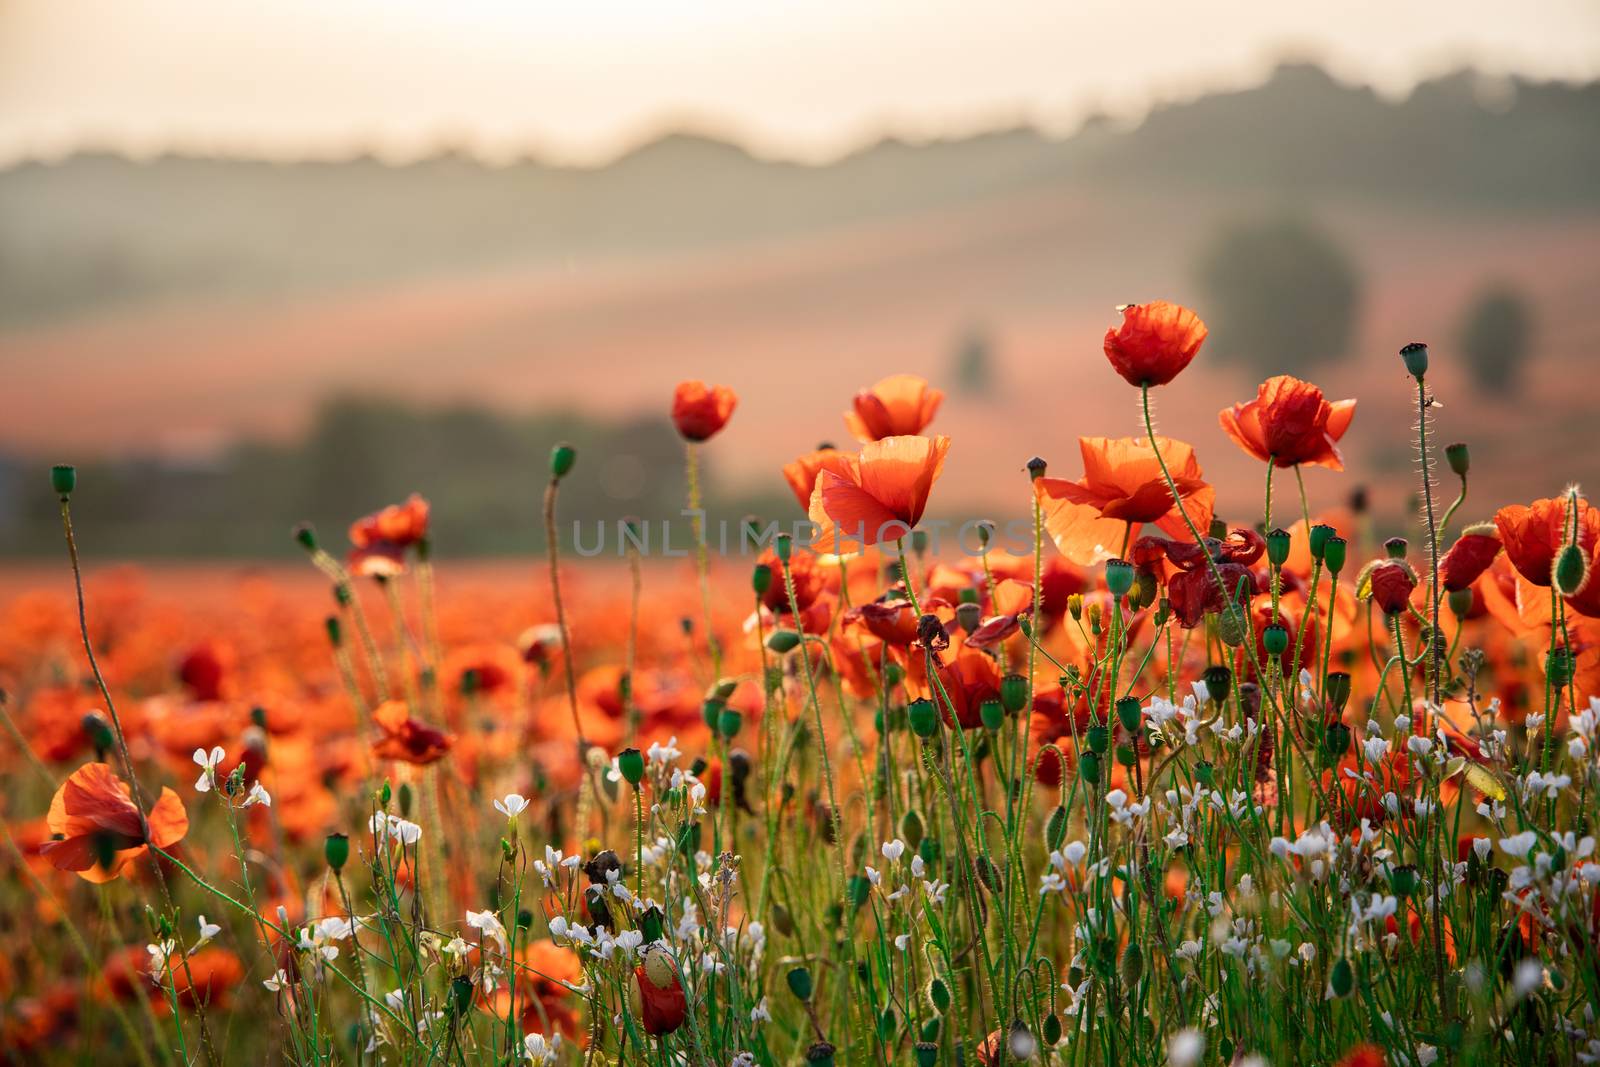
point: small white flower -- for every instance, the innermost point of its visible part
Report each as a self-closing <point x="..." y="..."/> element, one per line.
<point x="511" y="805"/>
<point x="258" y="795"/>
<point x="207" y="762"/>
<point x="760" y="1013"/>
<point x="1185" y="1048"/>
<point x="207" y="932"/>
<point x="893" y="850"/>
<point x="539" y="1050"/>
<point x="160" y="955"/>
<point x="277" y="981"/>
<point x="901" y="941"/>
<point x="486" y="923"/>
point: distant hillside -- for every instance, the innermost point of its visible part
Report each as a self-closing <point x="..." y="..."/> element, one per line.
<point x="98" y="231"/>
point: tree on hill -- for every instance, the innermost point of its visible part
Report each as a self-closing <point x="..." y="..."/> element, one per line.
<point x="1494" y="333"/>
<point x="1279" y="294"/>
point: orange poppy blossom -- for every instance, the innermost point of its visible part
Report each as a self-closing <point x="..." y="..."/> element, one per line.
<point x="407" y="739"/>
<point x="801" y="473"/>
<point x="382" y="538"/>
<point x="898" y="406"/>
<point x="967" y="679"/>
<point x="700" y="411"/>
<point x="659" y="993"/>
<point x="1122" y="488"/>
<point x="1290" y="423"/>
<point x="97" y="830"/>
<point x="1533" y="536"/>
<point x="878" y="494"/>
<point x="1154" y="342"/>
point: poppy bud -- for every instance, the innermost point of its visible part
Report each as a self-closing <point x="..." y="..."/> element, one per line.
<point x="1570" y="572"/>
<point x="1342" y="980"/>
<point x="335" y="630"/>
<point x="99" y="732"/>
<point x="1055" y="830"/>
<point x="1320" y="534"/>
<point x="1119" y="576"/>
<point x="858" y="889"/>
<point x="63" y="479"/>
<point x="1014" y="692"/>
<point x="1559" y="667"/>
<point x="1395" y="548"/>
<point x="1205" y="773"/>
<point x="306" y="537"/>
<point x="761" y="579"/>
<point x="385" y="793"/>
<point x="1392" y="583"/>
<point x="336" y="850"/>
<point x="630" y="761"/>
<point x="1458" y="458"/>
<point x="1333" y="554"/>
<point x="405" y="800"/>
<point x="460" y="994"/>
<point x="820" y="1054"/>
<point x="1275" y="639"/>
<point x="729" y="722"/>
<point x="1219" y="682"/>
<point x="911" y="827"/>
<point x="1460" y="601"/>
<point x="1132" y="966"/>
<point x="662" y="1006"/>
<point x="800" y="984"/>
<point x="1127" y="755"/>
<point x="1231" y="626"/>
<point x="893" y="675"/>
<point x="991" y="714"/>
<point x="1089" y="767"/>
<point x="1218" y="530"/>
<point x="988" y="873"/>
<point x="783" y="546"/>
<point x="969" y="616"/>
<point x="1278" y="547"/>
<point x="1128" y="712"/>
<point x="1415" y="356"/>
<point x="562" y="457"/>
<point x="711" y="711"/>
<point x="924" y="718"/>
<point x="1052" y="1029"/>
<point x="939" y="996"/>
<point x="1336" y="688"/>
<point x="1036" y="467"/>
<point x="783" y="641"/>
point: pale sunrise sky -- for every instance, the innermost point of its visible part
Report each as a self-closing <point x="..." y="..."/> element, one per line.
<point x="582" y="81"/>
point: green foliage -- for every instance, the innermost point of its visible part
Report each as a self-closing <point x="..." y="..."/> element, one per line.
<point x="1282" y="294"/>
<point x="1494" y="336"/>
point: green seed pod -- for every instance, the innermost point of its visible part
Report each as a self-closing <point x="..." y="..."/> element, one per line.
<point x="911" y="828"/>
<point x="63" y="479"/>
<point x="782" y="921"/>
<point x="1560" y="666"/>
<point x="927" y="1054"/>
<point x="1099" y="739"/>
<point x="1129" y="713"/>
<point x="1342" y="979"/>
<point x="1336" y="740"/>
<point x="1321" y="533"/>
<point x="99" y="732"/>
<point x="562" y="457"/>
<point x="893" y="675"/>
<point x="630" y="761"/>
<point x="783" y="641"/>
<point x="1415" y="357"/>
<point x="1570" y="572"/>
<point x="1460" y="601"/>
<point x="1337" y="690"/>
<point x="931" y="851"/>
<point x="405" y="800"/>
<point x="939" y="996"/>
<point x="306" y="537"/>
<point x="1231" y="626"/>
<point x="729" y="722"/>
<point x="1205" y="773"/>
<point x="1089" y="768"/>
<point x="1275" y="639"/>
<point x="1459" y="459"/>
<point x="1334" y="553"/>
<point x="761" y="579"/>
<point x="992" y="715"/>
<point x="1132" y="966"/>
<point x="783" y="547"/>
<point x="460" y="994"/>
<point x="1055" y="831"/>
<point x="800" y="984"/>
<point x="335" y="631"/>
<point x="1396" y="547"/>
<point x="1219" y="682"/>
<point x="820" y="1054"/>
<point x="924" y="718"/>
<point x="1218" y="530"/>
<point x="1127" y="755"/>
<point x="858" y="889"/>
<point x="969" y="616"/>
<point x="385" y="794"/>
<point x="1278" y="547"/>
<point x="711" y="711"/>
<point x="1014" y="692"/>
<point x="1037" y="467"/>
<point x="1403" y="880"/>
<point x="1119" y="576"/>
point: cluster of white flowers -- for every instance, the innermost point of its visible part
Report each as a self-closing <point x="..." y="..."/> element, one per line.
<point x="323" y="936"/>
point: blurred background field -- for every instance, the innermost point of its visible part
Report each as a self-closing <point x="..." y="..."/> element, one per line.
<point x="232" y="334"/>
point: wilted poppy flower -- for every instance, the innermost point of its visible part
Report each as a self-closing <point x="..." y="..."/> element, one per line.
<point x="700" y="410"/>
<point x="1391" y="582"/>
<point x="404" y="738"/>
<point x="96" y="827"/>
<point x="901" y="405"/>
<point x="1533" y="536"/>
<point x="662" y="1005"/>
<point x="802" y="473"/>
<point x="879" y="494"/>
<point x="1154" y="342"/>
<point x="1012" y="600"/>
<point x="1289" y="423"/>
<point x="1122" y="488"/>
<point x="1192" y="590"/>
<point x="1469" y="557"/>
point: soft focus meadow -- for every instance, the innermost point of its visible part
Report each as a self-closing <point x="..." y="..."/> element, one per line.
<point x="1145" y="785"/>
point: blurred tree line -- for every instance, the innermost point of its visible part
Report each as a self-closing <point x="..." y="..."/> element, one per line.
<point x="484" y="474"/>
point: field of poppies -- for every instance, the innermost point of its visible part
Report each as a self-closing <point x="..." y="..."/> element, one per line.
<point x="1121" y="783"/>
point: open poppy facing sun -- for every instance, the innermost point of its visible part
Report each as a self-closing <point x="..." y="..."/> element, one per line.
<point x="97" y="829"/>
<point x="1290" y="423"/>
<point x="899" y="405"/>
<point x="878" y="494"/>
<point x="1121" y="489"/>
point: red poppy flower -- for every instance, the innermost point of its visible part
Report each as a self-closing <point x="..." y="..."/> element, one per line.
<point x="96" y="827"/>
<point x="700" y="410"/>
<point x="1363" y="1056"/>
<point x="1392" y="582"/>
<point x="1533" y="536"/>
<point x="879" y="494"/>
<point x="381" y="539"/>
<point x="1469" y="557"/>
<point x="802" y="474"/>
<point x="969" y="679"/>
<point x="899" y="406"/>
<point x="1154" y="342"/>
<point x="1289" y="423"/>
<point x="1122" y="488"/>
<point x="404" y="738"/>
<point x="662" y="1005"/>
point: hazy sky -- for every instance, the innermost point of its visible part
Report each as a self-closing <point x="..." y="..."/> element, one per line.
<point x="583" y="79"/>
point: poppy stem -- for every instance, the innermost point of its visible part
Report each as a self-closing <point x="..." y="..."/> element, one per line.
<point x="702" y="565"/>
